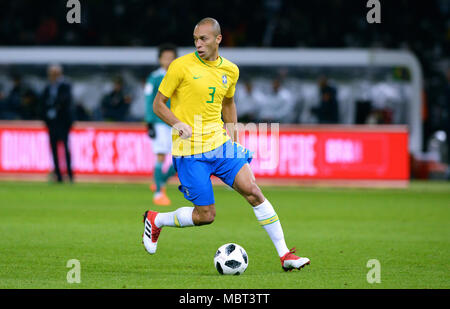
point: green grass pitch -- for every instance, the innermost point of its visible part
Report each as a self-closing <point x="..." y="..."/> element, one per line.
<point x="42" y="226"/>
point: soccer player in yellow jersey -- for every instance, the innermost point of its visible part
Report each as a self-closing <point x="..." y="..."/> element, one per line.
<point x="201" y="88"/>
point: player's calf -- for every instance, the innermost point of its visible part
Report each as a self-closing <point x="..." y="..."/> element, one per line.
<point x="252" y="193"/>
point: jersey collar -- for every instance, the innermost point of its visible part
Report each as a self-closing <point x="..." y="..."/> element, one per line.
<point x="209" y="63"/>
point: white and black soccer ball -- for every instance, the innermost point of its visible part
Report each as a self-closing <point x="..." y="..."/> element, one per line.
<point x="231" y="259"/>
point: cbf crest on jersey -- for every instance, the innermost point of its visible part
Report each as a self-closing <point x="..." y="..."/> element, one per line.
<point x="224" y="79"/>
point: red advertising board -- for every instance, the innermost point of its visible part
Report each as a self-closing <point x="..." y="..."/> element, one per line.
<point x="332" y="152"/>
<point x="291" y="152"/>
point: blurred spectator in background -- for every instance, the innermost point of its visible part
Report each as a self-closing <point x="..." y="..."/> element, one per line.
<point x="29" y="105"/>
<point x="10" y="105"/>
<point x="363" y="111"/>
<point x="116" y="104"/>
<point x="247" y="101"/>
<point x="380" y="116"/>
<point x="2" y="102"/>
<point x="278" y="105"/>
<point x="22" y="100"/>
<point x="327" y="111"/>
<point x="81" y="114"/>
<point x="57" y="112"/>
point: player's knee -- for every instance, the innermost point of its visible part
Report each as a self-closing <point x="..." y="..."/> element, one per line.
<point x="207" y="217"/>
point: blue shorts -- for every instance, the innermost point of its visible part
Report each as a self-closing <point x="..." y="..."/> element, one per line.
<point x="195" y="171"/>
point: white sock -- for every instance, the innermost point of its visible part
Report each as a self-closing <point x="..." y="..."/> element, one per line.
<point x="182" y="217"/>
<point x="268" y="219"/>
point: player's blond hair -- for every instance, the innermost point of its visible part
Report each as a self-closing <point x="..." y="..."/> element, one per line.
<point x="213" y="22"/>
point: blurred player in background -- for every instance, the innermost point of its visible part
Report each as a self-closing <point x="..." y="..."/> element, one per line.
<point x="201" y="86"/>
<point x="159" y="132"/>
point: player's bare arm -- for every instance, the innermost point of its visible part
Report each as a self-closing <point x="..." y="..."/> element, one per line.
<point x="162" y="111"/>
<point x="230" y="117"/>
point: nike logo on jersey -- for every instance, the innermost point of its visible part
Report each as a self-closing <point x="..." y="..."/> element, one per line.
<point x="197" y="77"/>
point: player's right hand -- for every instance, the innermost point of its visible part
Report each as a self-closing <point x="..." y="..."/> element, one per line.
<point x="184" y="130"/>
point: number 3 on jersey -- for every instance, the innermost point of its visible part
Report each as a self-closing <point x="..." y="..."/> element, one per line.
<point x="211" y="94"/>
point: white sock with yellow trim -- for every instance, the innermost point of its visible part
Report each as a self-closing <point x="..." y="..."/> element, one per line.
<point x="268" y="219"/>
<point x="182" y="217"/>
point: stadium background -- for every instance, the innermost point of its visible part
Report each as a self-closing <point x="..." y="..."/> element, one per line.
<point x="364" y="95"/>
<point x="406" y="228"/>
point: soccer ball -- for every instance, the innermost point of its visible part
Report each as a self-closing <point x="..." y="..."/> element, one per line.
<point x="231" y="259"/>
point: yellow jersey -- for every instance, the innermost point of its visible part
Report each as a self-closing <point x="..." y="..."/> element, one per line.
<point x="196" y="88"/>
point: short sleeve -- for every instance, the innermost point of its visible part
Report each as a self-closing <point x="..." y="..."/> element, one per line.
<point x="171" y="80"/>
<point x="232" y="89"/>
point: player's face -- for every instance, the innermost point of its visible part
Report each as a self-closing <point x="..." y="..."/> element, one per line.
<point x="206" y="42"/>
<point x="166" y="58"/>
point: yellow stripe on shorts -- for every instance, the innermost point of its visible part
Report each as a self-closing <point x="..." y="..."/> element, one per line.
<point x="175" y="219"/>
<point x="269" y="220"/>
